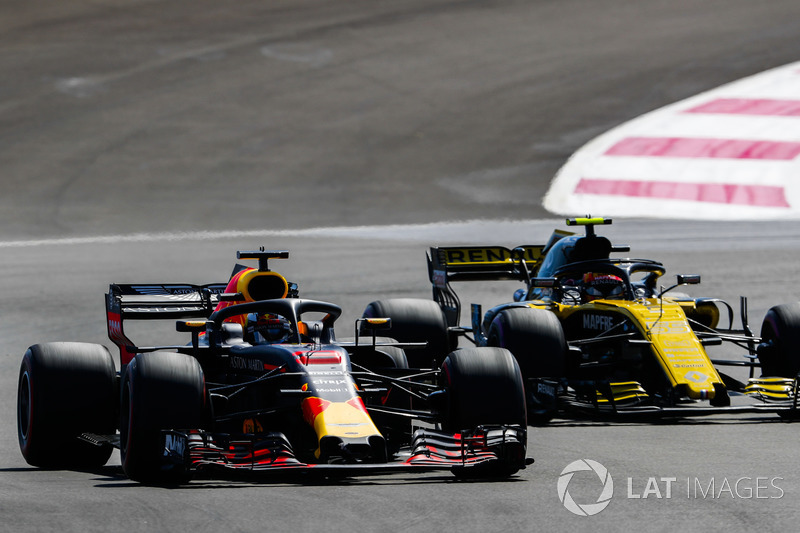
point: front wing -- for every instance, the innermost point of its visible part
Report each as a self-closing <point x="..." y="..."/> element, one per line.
<point x="197" y="450"/>
<point x="549" y="398"/>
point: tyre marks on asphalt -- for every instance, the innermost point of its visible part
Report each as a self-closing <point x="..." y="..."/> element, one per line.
<point x="726" y="154"/>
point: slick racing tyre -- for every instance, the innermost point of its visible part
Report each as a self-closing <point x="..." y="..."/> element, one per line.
<point x="536" y="339"/>
<point x="383" y="361"/>
<point x="384" y="357"/>
<point x="160" y="390"/>
<point x="779" y="352"/>
<point x="65" y="389"/>
<point x="484" y="388"/>
<point x="391" y="356"/>
<point x="415" y="320"/>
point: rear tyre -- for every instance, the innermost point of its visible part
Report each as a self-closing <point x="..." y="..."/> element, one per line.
<point x="536" y="339"/>
<point x="384" y="361"/>
<point x="384" y="357"/>
<point x="65" y="389"/>
<point x="160" y="390"/>
<point x="390" y="356"/>
<point x="484" y="387"/>
<point x="415" y="320"/>
<point x="779" y="353"/>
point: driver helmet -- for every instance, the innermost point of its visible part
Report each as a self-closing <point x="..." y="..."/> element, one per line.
<point x="268" y="327"/>
<point x="603" y="286"/>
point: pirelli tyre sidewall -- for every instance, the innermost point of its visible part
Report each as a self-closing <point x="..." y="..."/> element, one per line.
<point x="65" y="389"/>
<point x="159" y="391"/>
<point x="780" y="333"/>
<point x="536" y="339"/>
<point x="415" y="320"/>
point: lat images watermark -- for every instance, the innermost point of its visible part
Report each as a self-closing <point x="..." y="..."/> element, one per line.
<point x="742" y="488"/>
<point x="660" y="487"/>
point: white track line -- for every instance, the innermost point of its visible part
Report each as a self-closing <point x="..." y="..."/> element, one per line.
<point x="458" y="230"/>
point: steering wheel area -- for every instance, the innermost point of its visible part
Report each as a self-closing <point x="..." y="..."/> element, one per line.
<point x="638" y="278"/>
<point x="290" y="308"/>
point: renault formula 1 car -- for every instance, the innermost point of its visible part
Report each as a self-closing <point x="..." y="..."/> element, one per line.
<point x="596" y="335"/>
<point x="264" y="386"/>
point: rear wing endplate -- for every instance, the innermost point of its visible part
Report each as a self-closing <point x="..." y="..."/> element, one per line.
<point x="481" y="263"/>
<point x="155" y="302"/>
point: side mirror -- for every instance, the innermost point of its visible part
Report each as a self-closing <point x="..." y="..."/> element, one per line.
<point x="195" y="327"/>
<point x="376" y="324"/>
<point x="372" y="325"/>
<point x="683" y="279"/>
<point x="187" y="326"/>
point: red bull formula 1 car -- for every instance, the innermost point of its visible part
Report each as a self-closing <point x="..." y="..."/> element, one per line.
<point x="264" y="386"/>
<point x="596" y="335"/>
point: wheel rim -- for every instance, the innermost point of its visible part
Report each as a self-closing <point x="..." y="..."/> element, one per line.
<point x="24" y="407"/>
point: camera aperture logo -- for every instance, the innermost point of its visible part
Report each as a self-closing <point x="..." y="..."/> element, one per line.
<point x="585" y="509"/>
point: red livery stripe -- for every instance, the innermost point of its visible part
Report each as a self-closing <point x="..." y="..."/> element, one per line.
<point x="708" y="148"/>
<point x="319" y="357"/>
<point x="720" y="193"/>
<point x="358" y="403"/>
<point x="749" y="106"/>
<point x="313" y="406"/>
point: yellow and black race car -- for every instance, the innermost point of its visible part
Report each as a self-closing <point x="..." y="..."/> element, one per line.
<point x="596" y="335"/>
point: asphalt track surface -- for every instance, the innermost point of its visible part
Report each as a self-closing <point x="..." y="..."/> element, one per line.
<point x="160" y="119"/>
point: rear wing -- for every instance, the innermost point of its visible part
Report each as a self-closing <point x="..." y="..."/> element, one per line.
<point x="481" y="263"/>
<point x="155" y="302"/>
<point x="164" y="301"/>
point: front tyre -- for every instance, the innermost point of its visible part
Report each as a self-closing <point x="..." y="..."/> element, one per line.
<point x="160" y="391"/>
<point x="779" y="352"/>
<point x="536" y="339"/>
<point x="484" y="388"/>
<point x="65" y="389"/>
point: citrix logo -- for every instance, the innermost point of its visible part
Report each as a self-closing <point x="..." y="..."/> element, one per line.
<point x="587" y="509"/>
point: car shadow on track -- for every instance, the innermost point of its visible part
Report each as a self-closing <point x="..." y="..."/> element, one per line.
<point x="114" y="477"/>
<point x="713" y="420"/>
